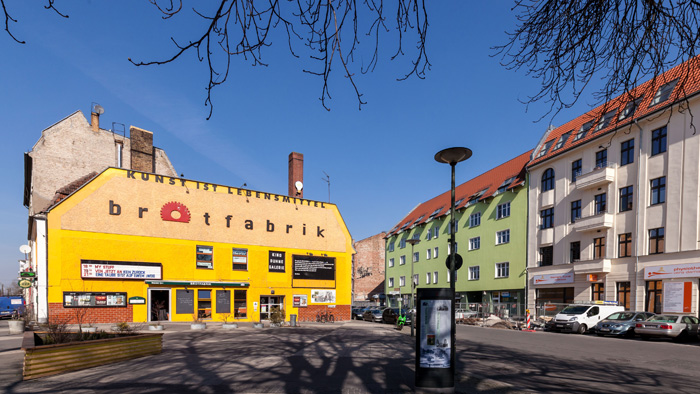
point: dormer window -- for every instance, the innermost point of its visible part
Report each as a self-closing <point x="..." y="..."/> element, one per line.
<point x="663" y="93"/>
<point x="418" y="220"/>
<point x="562" y="140"/>
<point x="583" y="130"/>
<point x="505" y="184"/>
<point x="544" y="149"/>
<point x="629" y="109"/>
<point x="605" y="120"/>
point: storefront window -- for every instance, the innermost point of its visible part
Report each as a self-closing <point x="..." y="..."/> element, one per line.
<point x="204" y="304"/>
<point x="205" y="257"/>
<point x="598" y="292"/>
<point x="240" y="259"/>
<point x="654" y="296"/>
<point x="239" y="303"/>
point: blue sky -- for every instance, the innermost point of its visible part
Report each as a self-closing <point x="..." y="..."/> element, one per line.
<point x="380" y="159"/>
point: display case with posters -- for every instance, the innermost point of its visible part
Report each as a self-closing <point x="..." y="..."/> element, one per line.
<point x="434" y="347"/>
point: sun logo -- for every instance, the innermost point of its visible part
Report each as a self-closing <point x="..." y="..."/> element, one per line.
<point x="175" y="212"/>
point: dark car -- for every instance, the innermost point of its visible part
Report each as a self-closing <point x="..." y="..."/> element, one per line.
<point x="391" y="315"/>
<point x="374" y="314"/>
<point x="357" y="312"/>
<point x="621" y="324"/>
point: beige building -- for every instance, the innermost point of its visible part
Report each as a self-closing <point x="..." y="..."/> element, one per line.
<point x="614" y="202"/>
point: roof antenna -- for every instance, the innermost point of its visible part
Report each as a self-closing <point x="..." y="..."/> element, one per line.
<point x="327" y="179"/>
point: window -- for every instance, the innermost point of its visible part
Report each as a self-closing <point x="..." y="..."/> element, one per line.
<point x="427" y="278"/>
<point x="505" y="184"/>
<point x="240" y="259"/>
<point x="428" y="254"/>
<point x="597" y="292"/>
<point x="547" y="218"/>
<point x="402" y="281"/>
<point x="456" y="247"/>
<point x="503" y="210"/>
<point x="475" y="219"/>
<point x="474" y="273"/>
<point x="415" y="279"/>
<point x="204" y="304"/>
<point x="435" y="212"/>
<point x="391" y="282"/>
<point x="240" y="301"/>
<point x="629" y="109"/>
<point x="583" y="130"/>
<point x="546" y="255"/>
<point x="391" y="262"/>
<point x="544" y="149"/>
<point x="623" y="294"/>
<point x="658" y="190"/>
<point x="502" y="270"/>
<point x="502" y="237"/>
<point x="474" y="243"/>
<point x="599" y="248"/>
<point x="599" y="200"/>
<point x="655" y="296"/>
<point x="576" y="169"/>
<point x="626" y="199"/>
<point x="562" y="140"/>
<point x="663" y="93"/>
<point x="605" y="120"/>
<point x="656" y="240"/>
<point x="435" y="277"/>
<point x="624" y="245"/>
<point x="627" y="152"/>
<point x="456" y="224"/>
<point x="205" y="257"/>
<point x="429" y="234"/>
<point x="601" y="158"/>
<point x="416" y="257"/>
<point x="436" y="232"/>
<point x="547" y="180"/>
<point x="575" y="252"/>
<point x="391" y="246"/>
<point x="658" y="141"/>
<point x="435" y="252"/>
<point x="575" y="210"/>
<point x="402" y="260"/>
<point x="402" y="243"/>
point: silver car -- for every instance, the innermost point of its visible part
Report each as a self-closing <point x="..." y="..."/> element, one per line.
<point x="677" y="327"/>
<point x="621" y="324"/>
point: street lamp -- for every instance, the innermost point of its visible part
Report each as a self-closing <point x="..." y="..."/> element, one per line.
<point x="413" y="242"/>
<point x="452" y="156"/>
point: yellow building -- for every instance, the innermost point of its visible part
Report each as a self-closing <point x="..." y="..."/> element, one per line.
<point x="135" y="246"/>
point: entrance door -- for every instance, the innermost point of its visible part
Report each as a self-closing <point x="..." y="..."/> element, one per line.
<point x="269" y="302"/>
<point x="158" y="304"/>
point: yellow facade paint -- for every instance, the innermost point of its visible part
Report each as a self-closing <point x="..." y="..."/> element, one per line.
<point x="129" y="219"/>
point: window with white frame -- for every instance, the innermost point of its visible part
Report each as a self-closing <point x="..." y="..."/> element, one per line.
<point x="475" y="219"/>
<point x="503" y="210"/>
<point x="415" y="279"/>
<point x="436" y="232"/>
<point x="402" y="281"/>
<point x="391" y="282"/>
<point x="502" y="270"/>
<point x="391" y="246"/>
<point x="429" y="235"/>
<point x="435" y="252"/>
<point x="427" y="278"/>
<point x="449" y="231"/>
<point x="474" y="273"/>
<point x="449" y="278"/>
<point x="402" y="260"/>
<point x="449" y="249"/>
<point x="402" y="243"/>
<point x="474" y="243"/>
<point x="428" y="254"/>
<point x="391" y="262"/>
<point x="416" y="257"/>
<point x="435" y="277"/>
<point x="503" y="237"/>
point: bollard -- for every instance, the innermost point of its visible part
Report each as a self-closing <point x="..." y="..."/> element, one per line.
<point x="293" y="320"/>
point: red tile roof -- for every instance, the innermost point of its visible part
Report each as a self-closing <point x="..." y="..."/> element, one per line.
<point x="488" y="182"/>
<point x="70" y="188"/>
<point x="688" y="75"/>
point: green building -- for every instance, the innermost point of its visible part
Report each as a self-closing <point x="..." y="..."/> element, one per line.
<point x="491" y="237"/>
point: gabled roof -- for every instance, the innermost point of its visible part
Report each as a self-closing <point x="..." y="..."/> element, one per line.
<point x="686" y="74"/>
<point x="477" y="189"/>
<point x="70" y="188"/>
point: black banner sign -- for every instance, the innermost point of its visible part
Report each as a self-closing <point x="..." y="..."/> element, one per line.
<point x="276" y="261"/>
<point x="313" y="267"/>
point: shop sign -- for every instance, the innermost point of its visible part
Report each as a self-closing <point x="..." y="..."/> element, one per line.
<point x="137" y="301"/>
<point x="300" y="300"/>
<point x="313" y="267"/>
<point x="592" y="277"/>
<point x="27" y="274"/>
<point x="100" y="269"/>
<point x="323" y="296"/>
<point x="394" y="292"/>
<point x="672" y="271"/>
<point x="183" y="283"/>
<point x="276" y="261"/>
<point x="552" y="279"/>
<point x="678" y="297"/>
<point x="25" y="283"/>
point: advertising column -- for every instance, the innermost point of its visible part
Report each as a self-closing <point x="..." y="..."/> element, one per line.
<point x="434" y="338"/>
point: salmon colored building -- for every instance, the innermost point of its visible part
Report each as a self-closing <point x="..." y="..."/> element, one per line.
<point x="135" y="246"/>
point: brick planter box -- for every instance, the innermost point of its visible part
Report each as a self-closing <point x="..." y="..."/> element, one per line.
<point x="45" y="360"/>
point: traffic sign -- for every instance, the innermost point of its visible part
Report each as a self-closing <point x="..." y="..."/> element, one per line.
<point x="458" y="261"/>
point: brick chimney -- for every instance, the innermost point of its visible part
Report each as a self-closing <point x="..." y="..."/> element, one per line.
<point x="95" y="121"/>
<point x="142" y="155"/>
<point x="296" y="173"/>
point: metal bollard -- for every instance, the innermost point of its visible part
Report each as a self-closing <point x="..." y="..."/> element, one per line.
<point x="293" y="320"/>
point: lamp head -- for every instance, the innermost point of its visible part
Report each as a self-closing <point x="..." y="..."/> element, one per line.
<point x="453" y="156"/>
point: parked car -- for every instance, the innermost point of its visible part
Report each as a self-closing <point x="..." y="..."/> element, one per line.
<point x="391" y="315"/>
<point x="358" y="311"/>
<point x="677" y="327"/>
<point x="580" y="317"/>
<point x="11" y="305"/>
<point x="621" y="324"/>
<point x="374" y="314"/>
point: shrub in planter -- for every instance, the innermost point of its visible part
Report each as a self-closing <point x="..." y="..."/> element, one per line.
<point x="276" y="317"/>
<point x="228" y="320"/>
<point x="197" y="322"/>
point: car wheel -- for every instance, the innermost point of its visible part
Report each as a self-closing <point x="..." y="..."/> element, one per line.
<point x="682" y="337"/>
<point x="582" y="329"/>
<point x="629" y="333"/>
<point x="600" y="334"/>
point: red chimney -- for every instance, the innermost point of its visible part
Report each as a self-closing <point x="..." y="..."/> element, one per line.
<point x="296" y="174"/>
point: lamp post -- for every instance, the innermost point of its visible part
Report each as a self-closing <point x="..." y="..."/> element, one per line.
<point x="413" y="242"/>
<point x="452" y="156"/>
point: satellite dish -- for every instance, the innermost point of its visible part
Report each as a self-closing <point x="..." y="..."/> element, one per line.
<point x="99" y="109"/>
<point x="299" y="186"/>
<point x="25" y="249"/>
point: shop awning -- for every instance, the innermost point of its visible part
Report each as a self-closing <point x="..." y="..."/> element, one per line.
<point x="186" y="283"/>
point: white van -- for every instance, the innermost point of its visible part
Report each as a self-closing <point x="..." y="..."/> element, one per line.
<point x="581" y="317"/>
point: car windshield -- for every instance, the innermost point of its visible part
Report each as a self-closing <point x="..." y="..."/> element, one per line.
<point x="621" y="316"/>
<point x="664" y="318"/>
<point x="575" y="310"/>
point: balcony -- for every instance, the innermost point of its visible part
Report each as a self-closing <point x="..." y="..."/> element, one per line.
<point x="597" y="177"/>
<point x="598" y="266"/>
<point x="601" y="221"/>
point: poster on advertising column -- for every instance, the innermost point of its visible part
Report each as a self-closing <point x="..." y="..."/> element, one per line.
<point x="434" y="347"/>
